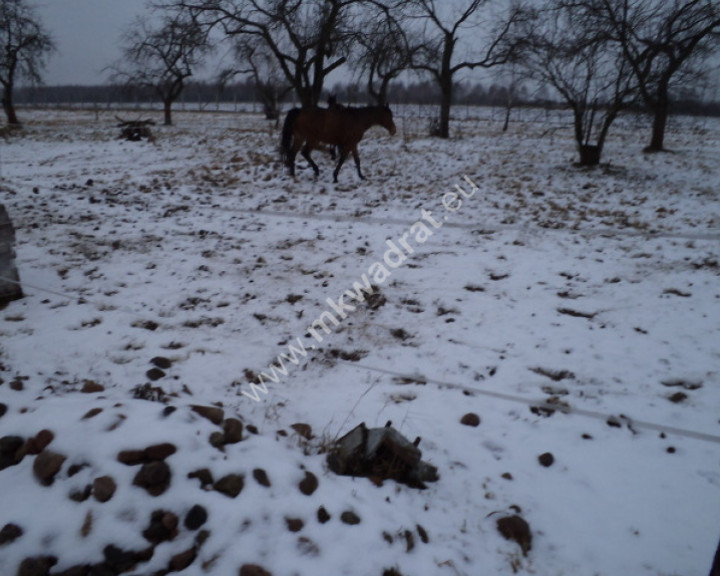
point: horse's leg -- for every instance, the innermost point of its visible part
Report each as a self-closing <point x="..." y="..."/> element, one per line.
<point x="293" y="154"/>
<point x="343" y="154"/>
<point x="306" y="154"/>
<point x="357" y="161"/>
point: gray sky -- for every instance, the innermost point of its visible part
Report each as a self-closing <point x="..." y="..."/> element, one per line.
<point x="87" y="35"/>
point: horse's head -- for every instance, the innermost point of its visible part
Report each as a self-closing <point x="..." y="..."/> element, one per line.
<point x="386" y="119"/>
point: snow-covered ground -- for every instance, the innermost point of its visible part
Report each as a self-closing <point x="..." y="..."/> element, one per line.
<point x="593" y="290"/>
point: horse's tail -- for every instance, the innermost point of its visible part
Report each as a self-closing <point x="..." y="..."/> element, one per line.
<point x="287" y="135"/>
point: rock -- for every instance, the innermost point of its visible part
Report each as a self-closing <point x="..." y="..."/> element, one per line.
<point x="101" y="570"/>
<point x="230" y="485"/>
<point x="162" y="528"/>
<point x="253" y="570"/>
<point x="168" y="410"/>
<point x="131" y="457"/>
<point x="613" y="422"/>
<point x="92" y="387"/>
<point x="201" y="537"/>
<point x="10" y="450"/>
<point x="36" y="566"/>
<point x="11" y="444"/>
<point x="322" y="515"/>
<point x="91" y="413"/>
<point x="212" y="413"/>
<point x="87" y="524"/>
<point x="517" y="529"/>
<point x="409" y="541"/>
<point x="678" y="397"/>
<point x="75" y="468"/>
<point x="154" y="453"/>
<point x="349" y="517"/>
<point x="546" y="459"/>
<point x="154" y="477"/>
<point x="261" y="477"/>
<point x="470" y="419"/>
<point x="424" y="538"/>
<point x="196" y="517"/>
<point x="159" y="451"/>
<point x="302" y="429"/>
<point x="79" y="570"/>
<point x="39" y="442"/>
<point x="104" y="488"/>
<point x="182" y="560"/>
<point x="161" y="362"/>
<point x="294" y="524"/>
<point x="78" y="495"/>
<point x="233" y="429"/>
<point x="154" y="374"/>
<point x="119" y="560"/>
<point x="309" y="484"/>
<point x="47" y="464"/>
<point x="217" y="440"/>
<point x="204" y="475"/>
<point x="3" y="409"/>
<point x="308" y="547"/>
<point x="9" y="533"/>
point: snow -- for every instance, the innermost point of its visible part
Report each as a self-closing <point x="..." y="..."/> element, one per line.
<point x="594" y="288"/>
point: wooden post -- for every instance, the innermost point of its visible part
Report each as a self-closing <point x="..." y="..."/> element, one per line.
<point x="10" y="288"/>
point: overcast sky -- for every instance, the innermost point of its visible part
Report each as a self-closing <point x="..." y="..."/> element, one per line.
<point x="87" y="34"/>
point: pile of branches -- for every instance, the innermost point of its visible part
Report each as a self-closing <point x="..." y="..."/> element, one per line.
<point x="136" y="130"/>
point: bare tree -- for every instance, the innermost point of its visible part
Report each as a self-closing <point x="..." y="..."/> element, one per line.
<point x="254" y="59"/>
<point x="661" y="41"/>
<point x="24" y="46"/>
<point x="384" y="50"/>
<point x="162" y="57"/>
<point x="511" y="79"/>
<point x="442" y="25"/>
<point x="309" y="39"/>
<point x="562" y="47"/>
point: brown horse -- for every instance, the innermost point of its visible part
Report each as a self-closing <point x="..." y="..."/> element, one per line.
<point x="305" y="128"/>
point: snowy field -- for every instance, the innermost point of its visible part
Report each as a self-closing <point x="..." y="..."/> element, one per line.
<point x="162" y="276"/>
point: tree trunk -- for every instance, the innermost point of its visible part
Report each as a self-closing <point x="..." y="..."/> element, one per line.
<point x="305" y="95"/>
<point x="715" y="569"/>
<point x="167" y="111"/>
<point x="660" y="118"/>
<point x="445" y="104"/>
<point x="590" y="155"/>
<point x="382" y="98"/>
<point x="445" y="80"/>
<point x="9" y="107"/>
<point x="508" y="110"/>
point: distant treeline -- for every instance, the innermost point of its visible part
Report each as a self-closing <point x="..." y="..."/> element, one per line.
<point x="423" y="93"/>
